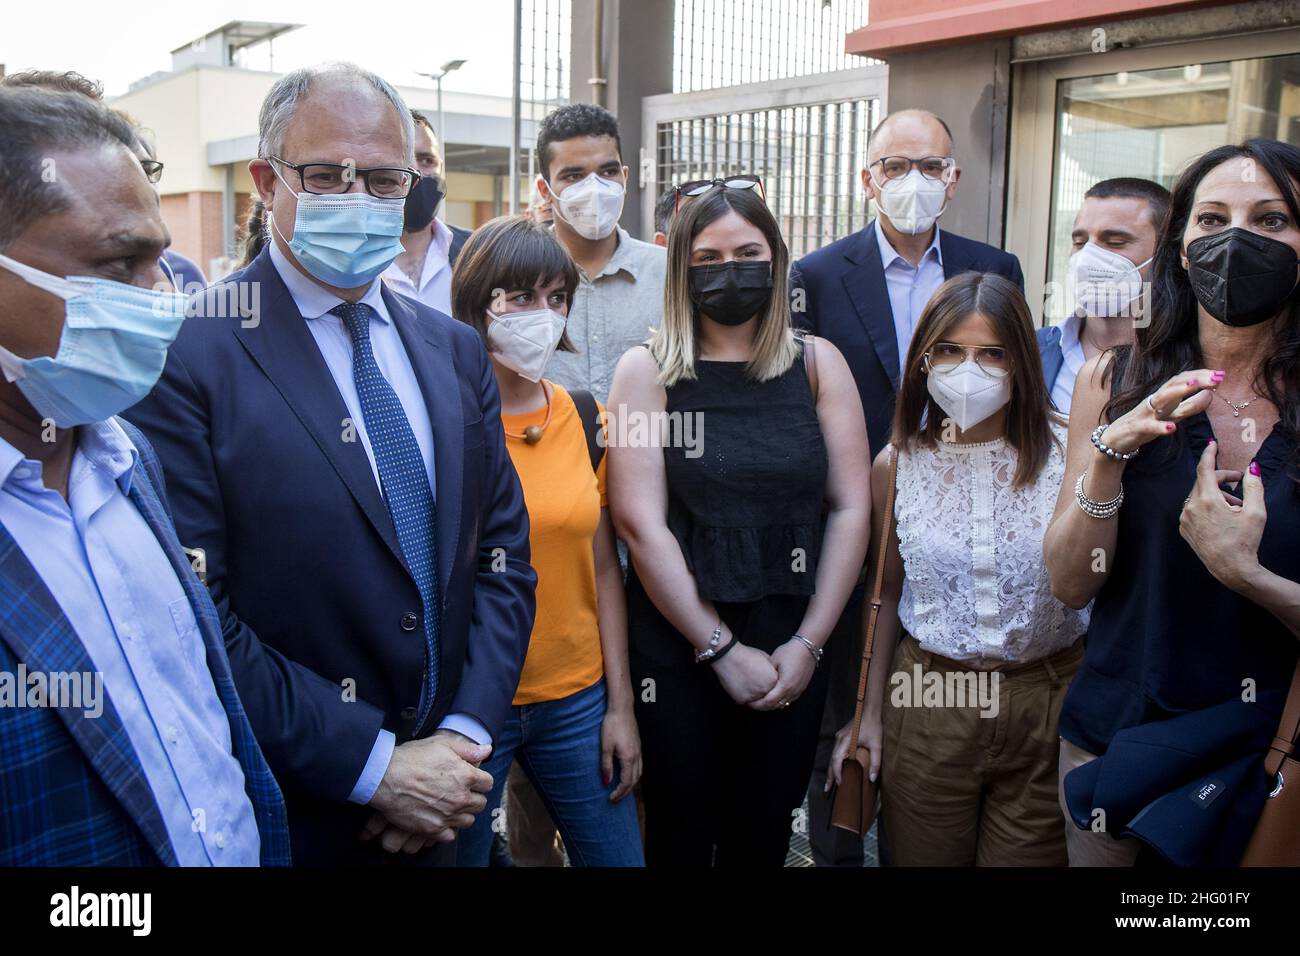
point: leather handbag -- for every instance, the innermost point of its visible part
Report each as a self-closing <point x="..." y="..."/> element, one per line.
<point x="853" y="805"/>
<point x="1276" y="838"/>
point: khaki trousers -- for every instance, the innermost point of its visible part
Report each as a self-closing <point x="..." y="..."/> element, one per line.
<point x="973" y="785"/>
<point x="1087" y="847"/>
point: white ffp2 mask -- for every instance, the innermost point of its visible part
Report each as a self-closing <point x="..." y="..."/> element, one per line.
<point x="525" y="341"/>
<point x="967" y="393"/>
<point x="591" y="206"/>
<point x="1102" y="283"/>
<point x="913" y="203"/>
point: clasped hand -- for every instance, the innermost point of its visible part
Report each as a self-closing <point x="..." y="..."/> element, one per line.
<point x="432" y="788"/>
<point x="766" y="682"/>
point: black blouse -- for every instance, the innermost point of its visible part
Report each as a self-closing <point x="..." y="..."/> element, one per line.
<point x="747" y="511"/>
<point x="1166" y="638"/>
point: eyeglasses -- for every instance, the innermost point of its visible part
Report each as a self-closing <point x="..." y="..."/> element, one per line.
<point x="945" y="356"/>
<point x="383" y="182"/>
<point x="152" y="169"/>
<point x="937" y="168"/>
<point x="698" y="187"/>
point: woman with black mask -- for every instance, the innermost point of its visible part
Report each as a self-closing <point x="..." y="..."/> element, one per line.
<point x="1180" y="515"/>
<point x="739" y="478"/>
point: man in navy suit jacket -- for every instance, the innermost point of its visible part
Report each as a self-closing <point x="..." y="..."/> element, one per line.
<point x="335" y="456"/>
<point x="865" y="293"/>
<point x="851" y="290"/>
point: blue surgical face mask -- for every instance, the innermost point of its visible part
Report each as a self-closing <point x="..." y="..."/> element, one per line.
<point x="345" y="239"/>
<point x="113" y="347"/>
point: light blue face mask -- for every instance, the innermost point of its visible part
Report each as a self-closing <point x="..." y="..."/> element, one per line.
<point x="345" y="239"/>
<point x="113" y="347"/>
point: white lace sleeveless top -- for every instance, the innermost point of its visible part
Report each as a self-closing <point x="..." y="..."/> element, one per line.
<point x="975" y="586"/>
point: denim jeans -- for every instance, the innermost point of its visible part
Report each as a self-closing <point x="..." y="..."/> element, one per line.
<point x="557" y="742"/>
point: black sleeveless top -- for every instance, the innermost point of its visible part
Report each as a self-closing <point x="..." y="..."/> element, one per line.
<point x="745" y="503"/>
<point x="1166" y="638"/>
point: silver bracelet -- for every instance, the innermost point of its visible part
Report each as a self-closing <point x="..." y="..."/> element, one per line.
<point x="712" y="650"/>
<point x="1106" y="449"/>
<point x="1097" y="509"/>
<point x="813" y="649"/>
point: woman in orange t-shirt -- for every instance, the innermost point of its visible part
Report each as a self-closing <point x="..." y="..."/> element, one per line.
<point x="571" y="727"/>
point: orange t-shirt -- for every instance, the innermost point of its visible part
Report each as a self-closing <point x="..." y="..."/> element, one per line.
<point x="564" y="498"/>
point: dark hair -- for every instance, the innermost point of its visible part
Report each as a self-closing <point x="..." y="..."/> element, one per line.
<point x="56" y="82"/>
<point x="509" y="252"/>
<point x="665" y="209"/>
<point x="570" y="122"/>
<point x="1171" y="342"/>
<point x="419" y="119"/>
<point x="37" y="123"/>
<point x="1130" y="187"/>
<point x="254" y="237"/>
<point x="1029" y="415"/>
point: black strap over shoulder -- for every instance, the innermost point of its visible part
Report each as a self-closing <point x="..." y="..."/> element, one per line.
<point x="589" y="414"/>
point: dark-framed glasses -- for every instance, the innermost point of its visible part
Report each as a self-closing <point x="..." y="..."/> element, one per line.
<point x="152" y="169"/>
<point x="946" y="356"/>
<point x="324" y="179"/>
<point x="698" y="187"/>
<point x="938" y="168"/>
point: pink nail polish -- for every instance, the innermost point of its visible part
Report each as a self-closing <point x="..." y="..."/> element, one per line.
<point x="1254" y="468"/>
<point x="1210" y="442"/>
<point x="1169" y="426"/>
<point x="1192" y="382"/>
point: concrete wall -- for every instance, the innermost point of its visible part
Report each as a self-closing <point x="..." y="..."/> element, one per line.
<point x="638" y="61"/>
<point x="968" y="86"/>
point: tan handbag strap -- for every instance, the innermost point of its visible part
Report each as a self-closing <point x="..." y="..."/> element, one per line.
<point x="1288" y="730"/>
<point x="873" y="612"/>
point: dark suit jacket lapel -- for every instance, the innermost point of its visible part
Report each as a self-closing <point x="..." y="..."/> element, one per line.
<point x="431" y="359"/>
<point x="283" y="347"/>
<point x="955" y="260"/>
<point x="865" y="284"/>
<point x="42" y="638"/>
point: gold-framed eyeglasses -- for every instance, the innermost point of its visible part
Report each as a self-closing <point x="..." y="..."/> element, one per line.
<point x="946" y="356"/>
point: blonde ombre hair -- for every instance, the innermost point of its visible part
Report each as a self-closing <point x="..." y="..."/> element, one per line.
<point x="674" y="344"/>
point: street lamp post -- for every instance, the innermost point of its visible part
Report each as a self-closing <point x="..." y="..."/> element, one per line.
<point x="448" y="67"/>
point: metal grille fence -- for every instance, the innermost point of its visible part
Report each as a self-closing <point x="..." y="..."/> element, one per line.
<point x="720" y="43"/>
<point x="544" y="64"/>
<point x="809" y="156"/>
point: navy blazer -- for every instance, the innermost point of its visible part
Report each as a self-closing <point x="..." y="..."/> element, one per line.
<point x="845" y="299"/>
<point x="322" y="616"/>
<point x="1049" y="349"/>
<point x="74" y="791"/>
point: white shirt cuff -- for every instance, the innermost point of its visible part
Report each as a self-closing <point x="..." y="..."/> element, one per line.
<point x="376" y="766"/>
<point x="467" y="725"/>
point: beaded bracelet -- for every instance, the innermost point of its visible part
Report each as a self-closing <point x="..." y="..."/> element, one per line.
<point x="1106" y="449"/>
<point x="1097" y="509"/>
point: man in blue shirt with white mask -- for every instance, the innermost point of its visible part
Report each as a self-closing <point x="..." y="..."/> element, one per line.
<point x="122" y="738"/>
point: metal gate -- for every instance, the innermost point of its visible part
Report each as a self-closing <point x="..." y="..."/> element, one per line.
<point x="806" y="137"/>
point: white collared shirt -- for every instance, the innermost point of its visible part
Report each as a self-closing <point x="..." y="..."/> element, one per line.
<point x="434" y="289"/>
<point x="909" y="286"/>
<point x="1072" y="361"/>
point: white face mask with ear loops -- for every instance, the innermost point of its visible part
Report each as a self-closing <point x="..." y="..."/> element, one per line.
<point x="525" y="341"/>
<point x="967" y="393"/>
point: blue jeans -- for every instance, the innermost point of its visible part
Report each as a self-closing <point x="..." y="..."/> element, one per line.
<point x="557" y="742"/>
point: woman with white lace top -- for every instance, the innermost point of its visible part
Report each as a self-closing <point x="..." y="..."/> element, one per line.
<point x="962" y="727"/>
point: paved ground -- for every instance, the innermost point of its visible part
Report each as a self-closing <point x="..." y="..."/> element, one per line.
<point x="801" y="853"/>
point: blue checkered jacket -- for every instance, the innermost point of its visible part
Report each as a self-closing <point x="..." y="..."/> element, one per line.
<point x="72" y="792"/>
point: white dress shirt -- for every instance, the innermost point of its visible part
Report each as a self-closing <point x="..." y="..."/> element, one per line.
<point x="335" y="344"/>
<point x="434" y="289"/>
<point x="104" y="566"/>
<point x="1072" y="361"/>
<point x="910" y="287"/>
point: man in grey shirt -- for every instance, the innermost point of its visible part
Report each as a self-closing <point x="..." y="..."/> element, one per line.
<point x="620" y="297"/>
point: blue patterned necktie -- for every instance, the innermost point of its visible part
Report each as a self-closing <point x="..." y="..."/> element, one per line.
<point x="404" y="480"/>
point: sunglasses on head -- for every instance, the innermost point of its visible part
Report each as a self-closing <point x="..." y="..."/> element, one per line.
<point x="698" y="187"/>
